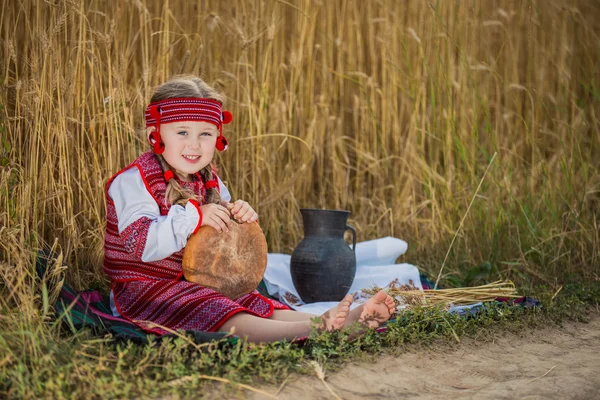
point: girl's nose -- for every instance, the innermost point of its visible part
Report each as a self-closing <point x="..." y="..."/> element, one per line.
<point x="194" y="143"/>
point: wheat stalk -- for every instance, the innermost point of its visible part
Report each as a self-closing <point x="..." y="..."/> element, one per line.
<point x="456" y="296"/>
<point x="321" y="375"/>
<point x="184" y="379"/>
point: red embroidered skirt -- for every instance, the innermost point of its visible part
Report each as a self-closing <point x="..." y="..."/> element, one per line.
<point x="184" y="305"/>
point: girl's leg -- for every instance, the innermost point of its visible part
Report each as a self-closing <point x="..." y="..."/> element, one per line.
<point x="332" y="319"/>
<point x="290" y="315"/>
<point x="257" y="329"/>
<point x="373" y="313"/>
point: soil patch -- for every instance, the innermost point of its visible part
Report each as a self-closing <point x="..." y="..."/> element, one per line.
<point x="549" y="363"/>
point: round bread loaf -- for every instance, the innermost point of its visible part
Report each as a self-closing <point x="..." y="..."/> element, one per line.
<point x="231" y="263"/>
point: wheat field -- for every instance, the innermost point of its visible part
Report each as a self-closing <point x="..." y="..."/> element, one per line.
<point x="393" y="110"/>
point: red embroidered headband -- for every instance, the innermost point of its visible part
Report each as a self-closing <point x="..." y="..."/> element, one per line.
<point x="186" y="109"/>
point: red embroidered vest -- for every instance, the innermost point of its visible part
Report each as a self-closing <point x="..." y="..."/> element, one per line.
<point x="123" y="252"/>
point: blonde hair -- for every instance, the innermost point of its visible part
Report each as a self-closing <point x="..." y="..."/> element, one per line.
<point x="186" y="86"/>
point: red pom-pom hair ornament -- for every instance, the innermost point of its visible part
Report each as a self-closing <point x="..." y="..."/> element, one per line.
<point x="157" y="144"/>
<point x="221" y="143"/>
<point x="169" y="175"/>
<point x="211" y="184"/>
<point x="226" y="117"/>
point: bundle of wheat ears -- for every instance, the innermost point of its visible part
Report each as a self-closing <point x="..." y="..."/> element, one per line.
<point x="410" y="295"/>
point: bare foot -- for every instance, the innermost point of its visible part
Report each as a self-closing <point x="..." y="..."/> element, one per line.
<point x="335" y="318"/>
<point x="378" y="309"/>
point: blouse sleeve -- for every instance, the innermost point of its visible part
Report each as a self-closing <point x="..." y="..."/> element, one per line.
<point x="139" y="217"/>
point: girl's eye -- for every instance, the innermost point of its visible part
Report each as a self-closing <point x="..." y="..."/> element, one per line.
<point x="182" y="133"/>
<point x="206" y="134"/>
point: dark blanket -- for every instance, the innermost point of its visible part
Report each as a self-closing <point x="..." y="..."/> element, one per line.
<point x="90" y="309"/>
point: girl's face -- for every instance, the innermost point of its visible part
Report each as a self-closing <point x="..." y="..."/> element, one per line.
<point x="189" y="146"/>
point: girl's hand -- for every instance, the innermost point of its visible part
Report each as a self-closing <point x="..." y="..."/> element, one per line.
<point x="242" y="212"/>
<point x="216" y="216"/>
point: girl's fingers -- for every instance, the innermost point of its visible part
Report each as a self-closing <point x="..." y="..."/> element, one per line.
<point x="212" y="224"/>
<point x="237" y="206"/>
<point x="244" y="214"/>
<point x="254" y="217"/>
<point x="218" y="224"/>
<point x="224" y="216"/>
<point x="225" y="220"/>
<point x="249" y="215"/>
<point x="223" y="209"/>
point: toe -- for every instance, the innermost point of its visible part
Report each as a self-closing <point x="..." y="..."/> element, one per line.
<point x="389" y="302"/>
<point x="380" y="296"/>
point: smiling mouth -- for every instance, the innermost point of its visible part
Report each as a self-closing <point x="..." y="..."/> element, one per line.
<point x="191" y="159"/>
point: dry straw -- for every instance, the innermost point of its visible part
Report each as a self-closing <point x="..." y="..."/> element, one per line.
<point x="457" y="296"/>
<point x="182" y="380"/>
<point x="321" y="375"/>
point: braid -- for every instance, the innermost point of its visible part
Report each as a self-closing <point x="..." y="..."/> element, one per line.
<point x="175" y="194"/>
<point x="212" y="195"/>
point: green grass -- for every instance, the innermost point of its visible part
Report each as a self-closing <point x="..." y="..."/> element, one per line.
<point x="81" y="365"/>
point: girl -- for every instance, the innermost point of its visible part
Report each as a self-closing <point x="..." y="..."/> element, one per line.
<point x="165" y="195"/>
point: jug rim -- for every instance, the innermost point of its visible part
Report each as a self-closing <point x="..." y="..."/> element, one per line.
<point x="325" y="210"/>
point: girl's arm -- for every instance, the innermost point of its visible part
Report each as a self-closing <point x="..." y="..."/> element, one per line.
<point x="146" y="234"/>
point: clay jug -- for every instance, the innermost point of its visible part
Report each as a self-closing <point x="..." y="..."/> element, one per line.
<point x="323" y="265"/>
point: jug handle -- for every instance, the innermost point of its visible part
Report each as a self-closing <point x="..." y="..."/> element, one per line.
<point x="348" y="227"/>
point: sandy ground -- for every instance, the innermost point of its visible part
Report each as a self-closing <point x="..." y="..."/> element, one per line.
<point x="549" y="363"/>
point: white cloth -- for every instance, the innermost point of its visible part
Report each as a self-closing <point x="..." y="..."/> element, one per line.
<point x="133" y="201"/>
<point x="375" y="266"/>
